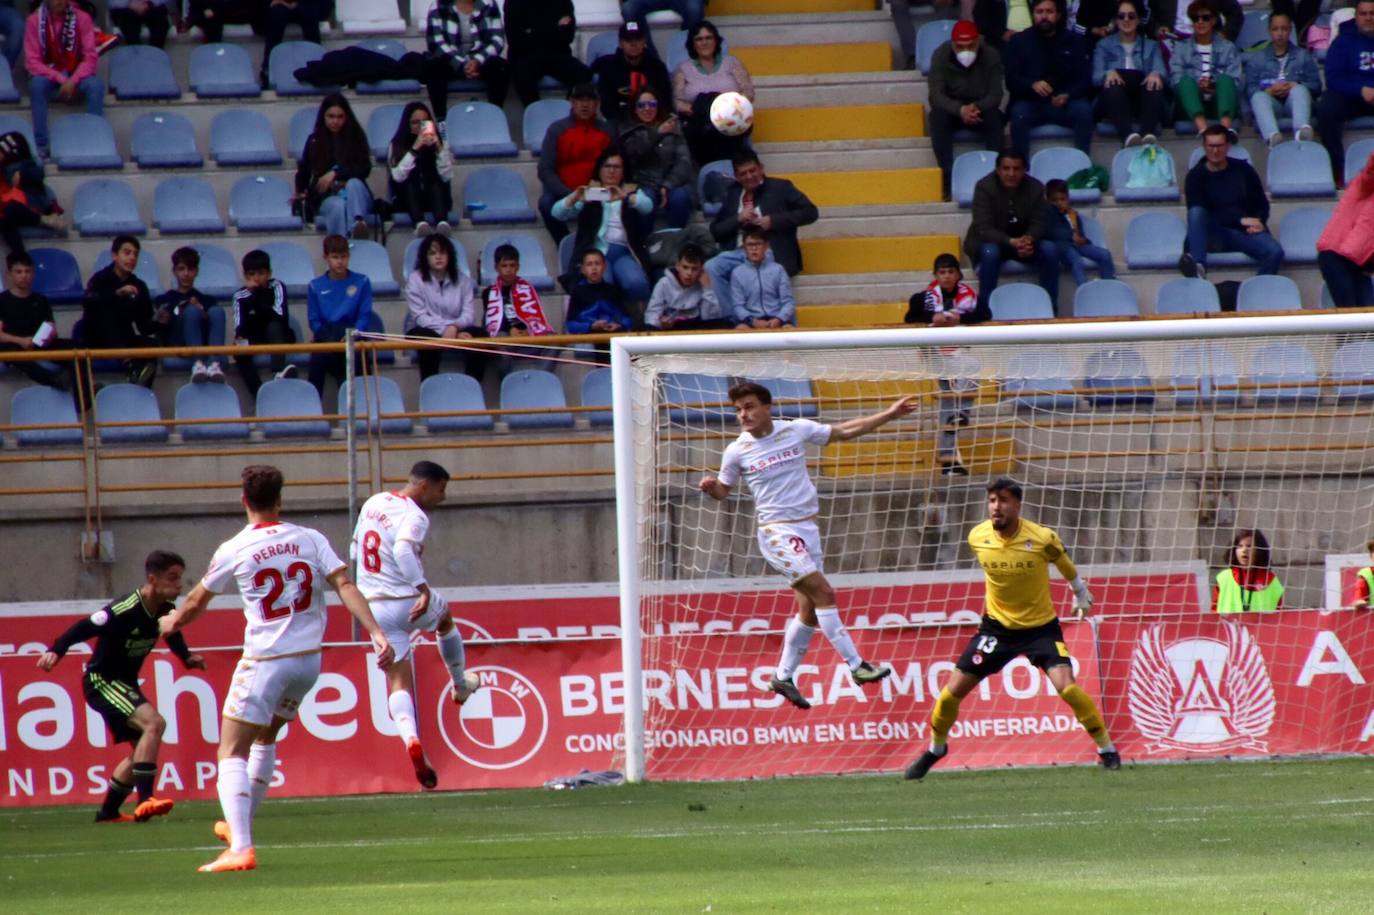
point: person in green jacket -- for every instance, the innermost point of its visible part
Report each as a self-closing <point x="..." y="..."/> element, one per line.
<point x="1249" y="585"/>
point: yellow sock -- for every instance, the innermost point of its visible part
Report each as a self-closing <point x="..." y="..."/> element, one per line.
<point x="1088" y="715"/>
<point x="942" y="718"/>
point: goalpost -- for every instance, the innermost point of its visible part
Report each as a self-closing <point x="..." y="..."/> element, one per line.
<point x="1146" y="445"/>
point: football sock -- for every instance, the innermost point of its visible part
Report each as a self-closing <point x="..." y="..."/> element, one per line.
<point x="144" y="773"/>
<point x="795" y="640"/>
<point x="115" y="797"/>
<point x="402" y="708"/>
<point x="451" y="650"/>
<point x="262" y="761"/>
<point x="942" y="718"/>
<point x="236" y="800"/>
<point x="829" y="618"/>
<point x="1088" y="716"/>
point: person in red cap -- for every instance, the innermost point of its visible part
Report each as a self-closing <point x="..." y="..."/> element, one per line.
<point x="965" y="94"/>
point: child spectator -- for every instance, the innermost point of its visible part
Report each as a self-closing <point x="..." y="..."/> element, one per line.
<point x="1066" y="231"/>
<point x="511" y="305"/>
<point x="420" y="170"/>
<point x="683" y="299"/>
<point x="759" y="287"/>
<point x="1249" y="585"/>
<point x="595" y="306"/>
<point x="26" y="323"/>
<point x="260" y="318"/>
<point x="442" y="304"/>
<point x="188" y="317"/>
<point x="117" y="311"/>
<point x="331" y="177"/>
<point x="131" y="16"/>
<point x="61" y="56"/>
<point x="1364" y="581"/>
<point x="25" y="200"/>
<point x="336" y="300"/>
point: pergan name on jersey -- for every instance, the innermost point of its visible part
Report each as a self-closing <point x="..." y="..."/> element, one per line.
<point x="276" y="549"/>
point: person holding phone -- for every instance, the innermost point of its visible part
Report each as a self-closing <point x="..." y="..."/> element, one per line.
<point x="601" y="208"/>
<point x="420" y="168"/>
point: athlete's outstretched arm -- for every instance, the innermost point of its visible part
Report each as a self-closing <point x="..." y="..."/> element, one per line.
<point x="356" y="604"/>
<point x="861" y="425"/>
<point x="193" y="606"/>
<point x="714" y="488"/>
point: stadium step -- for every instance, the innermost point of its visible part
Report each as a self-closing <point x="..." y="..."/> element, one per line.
<point x="845" y="122"/>
<point x="981" y="455"/>
<point x="869" y="188"/>
<point x="786" y="60"/>
<point x="783" y="7"/>
<point x="862" y="314"/>
<point x="875" y="254"/>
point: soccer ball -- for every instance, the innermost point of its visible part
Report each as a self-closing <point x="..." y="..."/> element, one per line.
<point x="732" y="114"/>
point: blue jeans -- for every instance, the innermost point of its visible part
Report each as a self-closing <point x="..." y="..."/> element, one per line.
<point x="1266" y="108"/>
<point x="626" y="273"/>
<point x="1074" y="255"/>
<point x="338" y="214"/>
<point x="991" y="257"/>
<point x="200" y="327"/>
<point x="12" y="27"/>
<point x="1203" y="232"/>
<point x="1076" y="113"/>
<point x="42" y="89"/>
<point x="691" y="11"/>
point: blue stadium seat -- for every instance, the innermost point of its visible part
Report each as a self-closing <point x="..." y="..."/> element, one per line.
<point x="1185" y="296"/>
<point x="146" y="269"/>
<point x="165" y="140"/>
<point x="1154" y="240"/>
<point x="242" y="137"/>
<point x="287" y="58"/>
<point x="969" y="168"/>
<point x="1268" y="293"/>
<point x="1205" y="373"/>
<point x="700" y="398"/>
<point x="1300" y="169"/>
<point x="413" y="248"/>
<point x="1061" y="162"/>
<point x="1286" y="373"/>
<point x="9" y="122"/>
<point x="291" y="264"/>
<point x="1039" y="378"/>
<point x="596" y="392"/>
<point x="532" y="265"/>
<point x="369" y="258"/>
<point x="219" y="274"/>
<point x="56" y="275"/>
<point x="454" y="391"/>
<point x="718" y="167"/>
<point x="128" y="403"/>
<point x="1353" y="364"/>
<point x="291" y="397"/>
<point x="82" y="142"/>
<point x="40" y="405"/>
<point x="1105" y="299"/>
<point x="1118" y="367"/>
<point x="140" y="72"/>
<point x="565" y="253"/>
<point x="599" y="45"/>
<point x="1298" y="233"/>
<point x="184" y="206"/>
<point x="479" y="130"/>
<point x="223" y="71"/>
<point x="300" y="360"/>
<point x="1357" y="156"/>
<point x="381" y="127"/>
<point x="262" y="203"/>
<point x="1254" y="29"/>
<point x="1020" y="302"/>
<point x="392" y="48"/>
<point x="103" y="206"/>
<point x="8" y="92"/>
<point x="380" y="396"/>
<point x="210" y="401"/>
<point x="1237" y="151"/>
<point x="1121" y="163"/>
<point x="537" y="119"/>
<point x="301" y="126"/>
<point x="930" y="36"/>
<point x="496" y="194"/>
<point x="792" y="398"/>
<point x="530" y="388"/>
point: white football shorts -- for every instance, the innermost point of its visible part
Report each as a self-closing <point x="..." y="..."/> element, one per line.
<point x="391" y="616"/>
<point x="792" y="547"/>
<point x="274" y="686"/>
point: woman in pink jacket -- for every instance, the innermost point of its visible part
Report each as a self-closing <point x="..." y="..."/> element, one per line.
<point x="1345" y="250"/>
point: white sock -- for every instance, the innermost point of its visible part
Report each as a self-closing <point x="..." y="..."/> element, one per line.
<point x="451" y="650"/>
<point x="794" y="644"/>
<point x="402" y="708"/>
<point x="236" y="801"/>
<point x="1109" y="748"/>
<point x="829" y="618"/>
<point x="262" y="761"/>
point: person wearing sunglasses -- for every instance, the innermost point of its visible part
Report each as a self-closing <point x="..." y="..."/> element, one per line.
<point x="1204" y="72"/>
<point x="1171" y="19"/>
<point x="657" y="156"/>
<point x="1129" y="68"/>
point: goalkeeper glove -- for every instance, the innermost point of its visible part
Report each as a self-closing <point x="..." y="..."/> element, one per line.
<point x="1082" y="598"/>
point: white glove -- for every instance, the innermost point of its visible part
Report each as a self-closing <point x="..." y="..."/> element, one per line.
<point x="1082" y="598"/>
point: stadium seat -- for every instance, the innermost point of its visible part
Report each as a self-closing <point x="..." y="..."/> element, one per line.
<point x="479" y="130"/>
<point x="1038" y="378"/>
<point x="1268" y="293"/>
<point x="596" y="392"/>
<point x="1298" y="233"/>
<point x="969" y="168"/>
<point x="1121" y="163"/>
<point x="1115" y="368"/>
<point x="56" y="275"/>
<point x="183" y="206"/>
<point x="930" y="36"/>
<point x="413" y="248"/>
<point x="719" y="167"/>
<point x="565" y="253"/>
<point x="291" y="397"/>
<point x="453" y="391"/>
<point x="392" y="48"/>
<point x="223" y="71"/>
<point x="600" y="45"/>
<point x="700" y="398"/>
<point x="142" y="72"/>
<point x="530" y="388"/>
<point x="103" y="206"/>
<point x="300" y="360"/>
<point x="82" y="142"/>
<point x="219" y="274"/>
<point x="381" y="127"/>
<point x="1357" y="157"/>
<point x="40" y="405"/>
<point x="146" y="269"/>
<point x="369" y="17"/>
<point x="119" y="403"/>
<point x="532" y="265"/>
<point x="300" y="127"/>
<point x="293" y="265"/>
<point x="380" y="396"/>
<point x="241" y="137"/>
<point x="1285" y="373"/>
<point x="496" y="194"/>
<point x="287" y="58"/>
<point x="1185" y="296"/>
<point x="1154" y="240"/>
<point x="1061" y="162"/>
<point x="1020" y="302"/>
<point x="164" y="140"/>
<point x="9" y="122"/>
<point x="1353" y="364"/>
<point x="792" y="398"/>
<point x="8" y="92"/>
<point x="537" y="119"/>
<point x="1300" y="169"/>
<point x="210" y="401"/>
<point x="369" y="258"/>
<point x="262" y="203"/>
<point x="1237" y="151"/>
<point x="1254" y="29"/>
<point x="1105" y="299"/>
<point x="1205" y="373"/>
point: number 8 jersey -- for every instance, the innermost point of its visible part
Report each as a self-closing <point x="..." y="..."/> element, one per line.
<point x="388" y="540"/>
<point x="281" y="570"/>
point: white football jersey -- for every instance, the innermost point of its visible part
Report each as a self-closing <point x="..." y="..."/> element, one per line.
<point x="281" y="570"/>
<point x="775" y="469"/>
<point x="387" y="519"/>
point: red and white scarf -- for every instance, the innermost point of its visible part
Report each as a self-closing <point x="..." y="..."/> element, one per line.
<point x="525" y="300"/>
<point x="65" y="56"/>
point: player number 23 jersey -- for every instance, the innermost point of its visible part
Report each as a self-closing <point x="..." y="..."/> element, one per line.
<point x="775" y="469"/>
<point x="387" y="519"/>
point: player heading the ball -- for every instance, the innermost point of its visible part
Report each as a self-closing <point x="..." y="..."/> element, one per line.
<point x="1018" y="619"/>
<point x="278" y="567"/>
<point x="770" y="455"/>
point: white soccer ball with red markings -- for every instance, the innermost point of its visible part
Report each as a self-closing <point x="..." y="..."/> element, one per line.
<point x="732" y="114"/>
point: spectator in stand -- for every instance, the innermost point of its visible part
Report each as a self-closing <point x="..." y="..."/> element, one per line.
<point x="906" y="28"/>
<point x="1364" y="581"/>
<point x="331" y="176"/>
<point x="260" y="319"/>
<point x="1093" y="19"/>
<point x="760" y="293"/>
<point x="571" y="149"/>
<point x="421" y="169"/>
<point x="1204" y="71"/>
<point x="188" y="317"/>
<point x="1047" y="69"/>
<point x="1227" y="209"/>
<point x="336" y="301"/>
<point x="1248" y="584"/>
<point x="965" y="93"/>
<point x="1009" y="223"/>
<point x="658" y="159"/>
<point x="1345" y="249"/>
<point x="1281" y="76"/>
<point x="465" y="41"/>
<point x="1066" y="231"/>
<point x="27" y="323"/>
<point x="774" y="205"/>
<point x="25" y="200"/>
<point x="603" y="209"/>
<point x="707" y="73"/>
<point x="1173" y="19"/>
<point x="998" y="21"/>
<point x="511" y="307"/>
<point x="117" y="311"/>
<point x="60" y="55"/>
<point x="211" y="16"/>
<point x="442" y="303"/>
<point x="280" y="13"/>
<point x="1349" y="83"/>
<point x="632" y="67"/>
<point x="596" y="306"/>
<point x="12" y="30"/>
<point x="539" y="37"/>
<point x="132" y="16"/>
<point x="691" y="11"/>
<point x="683" y="298"/>
<point x="1130" y="69"/>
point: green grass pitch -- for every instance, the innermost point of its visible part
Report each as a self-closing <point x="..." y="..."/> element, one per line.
<point x="1251" y="837"/>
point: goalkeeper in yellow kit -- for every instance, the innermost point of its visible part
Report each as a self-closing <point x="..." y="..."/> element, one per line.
<point x="1015" y="555"/>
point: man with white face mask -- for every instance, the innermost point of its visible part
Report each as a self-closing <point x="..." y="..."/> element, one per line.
<point x="965" y="94"/>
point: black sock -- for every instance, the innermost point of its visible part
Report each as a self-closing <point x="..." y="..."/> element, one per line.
<point x="114" y="799"/>
<point x="144" y="773"/>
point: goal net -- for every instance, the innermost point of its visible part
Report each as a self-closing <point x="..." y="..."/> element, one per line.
<point x="1148" y="446"/>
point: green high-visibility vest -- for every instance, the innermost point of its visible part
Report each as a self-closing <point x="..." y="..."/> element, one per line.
<point x="1232" y="598"/>
<point x="1367" y="573"/>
